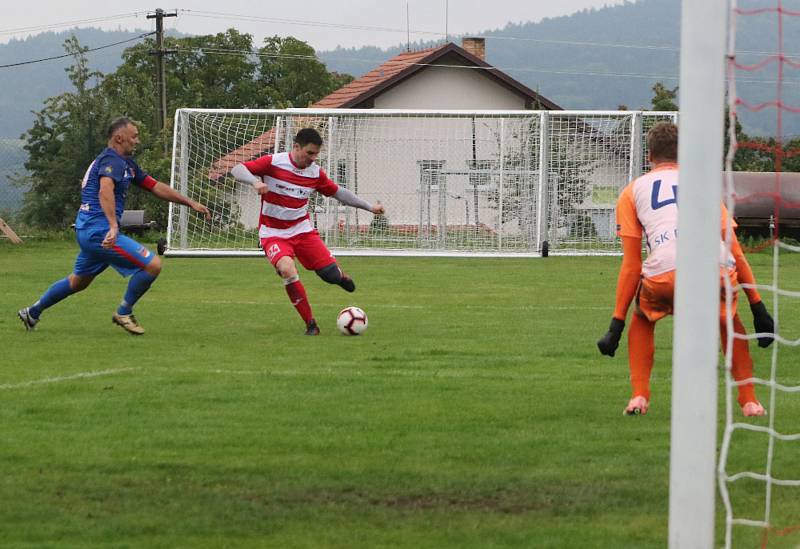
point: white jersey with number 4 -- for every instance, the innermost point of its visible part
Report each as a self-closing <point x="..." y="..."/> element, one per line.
<point x="649" y="206"/>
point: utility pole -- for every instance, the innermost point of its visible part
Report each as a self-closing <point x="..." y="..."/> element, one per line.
<point x="160" y="52"/>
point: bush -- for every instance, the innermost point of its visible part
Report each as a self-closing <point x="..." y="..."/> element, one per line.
<point x="379" y="224"/>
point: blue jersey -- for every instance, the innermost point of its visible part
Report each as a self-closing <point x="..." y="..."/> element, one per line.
<point x="123" y="171"/>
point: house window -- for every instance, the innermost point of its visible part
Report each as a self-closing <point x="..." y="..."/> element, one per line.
<point x="342" y="173"/>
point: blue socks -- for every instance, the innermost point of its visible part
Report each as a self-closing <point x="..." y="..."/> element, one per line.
<point x="55" y="293"/>
<point x="140" y="282"/>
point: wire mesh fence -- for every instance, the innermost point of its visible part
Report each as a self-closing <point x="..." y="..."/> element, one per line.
<point x="452" y="182"/>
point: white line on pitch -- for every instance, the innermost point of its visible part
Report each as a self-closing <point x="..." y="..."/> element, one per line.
<point x="279" y="303"/>
<point x="66" y="378"/>
<point x="437" y="374"/>
<point x="398" y="306"/>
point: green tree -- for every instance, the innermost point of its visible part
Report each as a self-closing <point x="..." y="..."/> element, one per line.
<point x="294" y="77"/>
<point x="746" y="158"/>
<point x="66" y="136"/>
<point x="572" y="161"/>
<point x="664" y="98"/>
<point x="204" y="71"/>
<point x="758" y="154"/>
<point x="215" y="71"/>
<point x="791" y="158"/>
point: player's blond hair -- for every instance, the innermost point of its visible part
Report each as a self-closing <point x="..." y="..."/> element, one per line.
<point x="662" y="141"/>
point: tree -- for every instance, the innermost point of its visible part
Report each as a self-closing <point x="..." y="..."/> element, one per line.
<point x="215" y="71"/>
<point x="572" y="161"/>
<point x="664" y="98"/>
<point x="66" y="136"/>
<point x="758" y="154"/>
<point x="294" y="77"/>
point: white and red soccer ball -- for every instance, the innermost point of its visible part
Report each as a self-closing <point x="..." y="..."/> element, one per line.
<point x="352" y="321"/>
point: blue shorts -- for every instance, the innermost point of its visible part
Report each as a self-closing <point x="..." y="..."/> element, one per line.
<point x="127" y="256"/>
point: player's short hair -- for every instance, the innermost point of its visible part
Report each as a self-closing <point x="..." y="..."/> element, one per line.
<point x="662" y="141"/>
<point x="308" y="135"/>
<point x="117" y="124"/>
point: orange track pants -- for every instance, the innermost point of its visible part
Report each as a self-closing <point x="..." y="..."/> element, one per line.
<point x="654" y="301"/>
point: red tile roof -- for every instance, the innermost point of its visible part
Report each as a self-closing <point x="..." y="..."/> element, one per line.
<point x="372" y="84"/>
<point x="256" y="147"/>
<point x="374" y="78"/>
<point x="402" y="66"/>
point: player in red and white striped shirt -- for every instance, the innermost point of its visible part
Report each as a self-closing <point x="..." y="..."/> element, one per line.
<point x="285" y="182"/>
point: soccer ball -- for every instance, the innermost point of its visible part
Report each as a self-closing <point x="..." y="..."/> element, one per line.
<point x="352" y="321"/>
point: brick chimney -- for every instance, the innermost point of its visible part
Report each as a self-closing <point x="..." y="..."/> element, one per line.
<point x="476" y="46"/>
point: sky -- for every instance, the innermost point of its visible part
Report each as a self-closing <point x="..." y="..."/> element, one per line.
<point x="324" y="24"/>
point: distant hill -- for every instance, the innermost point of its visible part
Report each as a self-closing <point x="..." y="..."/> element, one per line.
<point x="26" y="87"/>
<point x="567" y="59"/>
<point x="562" y="59"/>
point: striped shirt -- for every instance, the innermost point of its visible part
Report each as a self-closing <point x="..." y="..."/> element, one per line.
<point x="284" y="207"/>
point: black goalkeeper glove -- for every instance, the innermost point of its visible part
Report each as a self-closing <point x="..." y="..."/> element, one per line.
<point x="610" y="341"/>
<point x="763" y="323"/>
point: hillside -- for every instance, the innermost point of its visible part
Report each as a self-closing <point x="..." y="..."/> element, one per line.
<point x="571" y="60"/>
<point x="27" y="86"/>
<point x="568" y="59"/>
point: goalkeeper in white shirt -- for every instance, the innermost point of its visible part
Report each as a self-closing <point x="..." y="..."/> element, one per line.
<point x="648" y="207"/>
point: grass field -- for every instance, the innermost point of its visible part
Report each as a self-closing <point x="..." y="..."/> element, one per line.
<point x="475" y="411"/>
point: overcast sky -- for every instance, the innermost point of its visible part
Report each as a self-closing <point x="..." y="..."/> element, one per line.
<point x="324" y="24"/>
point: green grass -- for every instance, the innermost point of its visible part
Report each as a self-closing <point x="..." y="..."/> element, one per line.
<point x="474" y="412"/>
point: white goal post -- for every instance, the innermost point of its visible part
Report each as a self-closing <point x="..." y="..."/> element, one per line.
<point x="693" y="435"/>
<point x="465" y="183"/>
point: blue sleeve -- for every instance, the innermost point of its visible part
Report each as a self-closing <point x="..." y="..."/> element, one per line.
<point x="139" y="173"/>
<point x="111" y="167"/>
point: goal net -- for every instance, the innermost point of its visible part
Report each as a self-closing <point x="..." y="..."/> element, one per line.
<point x="759" y="469"/>
<point x="495" y="183"/>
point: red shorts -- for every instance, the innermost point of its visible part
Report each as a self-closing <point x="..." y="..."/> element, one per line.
<point x="308" y="248"/>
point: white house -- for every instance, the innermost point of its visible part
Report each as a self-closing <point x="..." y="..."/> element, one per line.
<point x="444" y="77"/>
<point x="436" y="175"/>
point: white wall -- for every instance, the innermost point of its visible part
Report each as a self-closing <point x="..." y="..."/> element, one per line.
<point x="449" y="88"/>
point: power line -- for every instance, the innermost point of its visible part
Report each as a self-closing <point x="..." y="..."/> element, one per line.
<point x="340" y="26"/>
<point x="71" y="23"/>
<point x="370" y="28"/>
<point x="256" y="53"/>
<point x="301" y="22"/>
<point x="222" y="51"/>
<point x="70" y="55"/>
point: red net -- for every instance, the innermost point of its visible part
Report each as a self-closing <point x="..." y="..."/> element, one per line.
<point x="780" y="197"/>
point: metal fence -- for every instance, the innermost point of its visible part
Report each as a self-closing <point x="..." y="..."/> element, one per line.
<point x="453" y="182"/>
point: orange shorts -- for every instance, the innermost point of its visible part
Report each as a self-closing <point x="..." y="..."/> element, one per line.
<point x="654" y="297"/>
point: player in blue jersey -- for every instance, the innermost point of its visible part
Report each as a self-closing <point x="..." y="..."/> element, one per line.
<point x="103" y="192"/>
